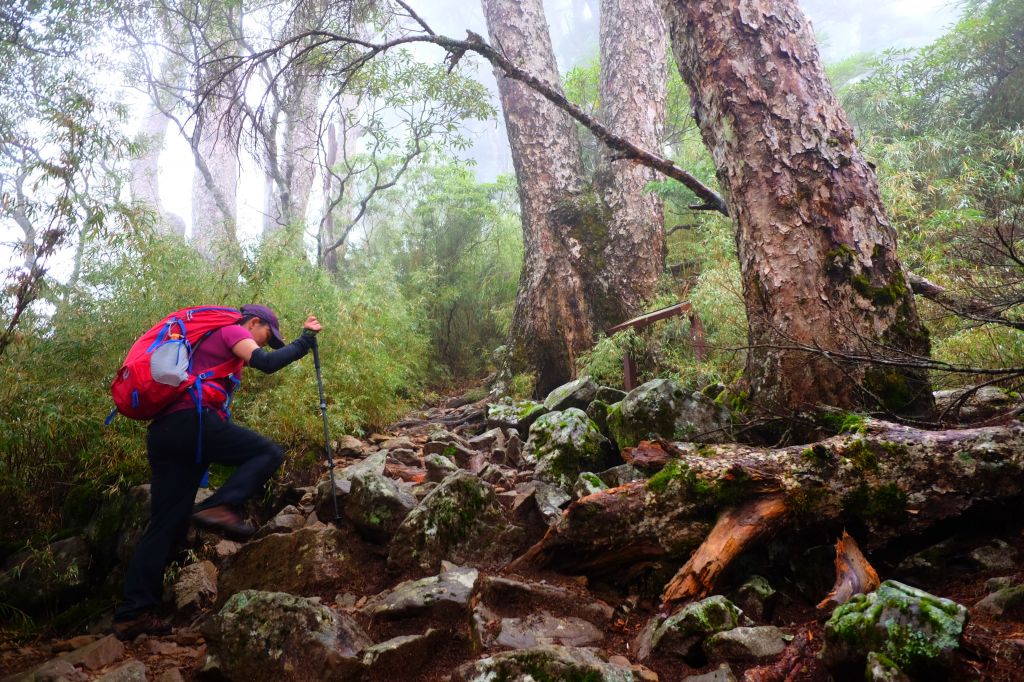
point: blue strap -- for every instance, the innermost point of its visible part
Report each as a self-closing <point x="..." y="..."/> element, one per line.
<point x="110" y="417"/>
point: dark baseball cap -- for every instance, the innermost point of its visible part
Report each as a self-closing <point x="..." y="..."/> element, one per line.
<point x="267" y="315"/>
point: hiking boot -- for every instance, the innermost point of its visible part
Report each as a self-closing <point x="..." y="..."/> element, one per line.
<point x="144" y="624"/>
<point x="225" y="520"/>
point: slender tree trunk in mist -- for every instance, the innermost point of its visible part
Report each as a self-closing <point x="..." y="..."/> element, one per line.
<point x="144" y="171"/>
<point x="551" y="323"/>
<point x="215" y="185"/>
<point x="817" y="253"/>
<point x="632" y="95"/>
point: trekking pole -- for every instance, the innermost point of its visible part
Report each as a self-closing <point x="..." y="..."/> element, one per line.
<point x="327" y="435"/>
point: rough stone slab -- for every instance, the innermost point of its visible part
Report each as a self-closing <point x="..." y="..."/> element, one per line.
<point x="393" y="659"/>
<point x="748" y="644"/>
<point x="722" y="674"/>
<point x="444" y="595"/>
<point x="99" y="654"/>
<point x="551" y="663"/>
<point x="197" y="586"/>
<point x="131" y="671"/>
<point x="542" y="628"/>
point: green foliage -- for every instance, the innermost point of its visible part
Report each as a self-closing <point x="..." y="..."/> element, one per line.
<point x="455" y="247"/>
<point x="55" y="383"/>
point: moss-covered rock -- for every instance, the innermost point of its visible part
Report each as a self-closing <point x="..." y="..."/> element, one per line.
<point x="587" y="483"/>
<point x="517" y="414"/>
<point x="577" y="393"/>
<point x="376" y="506"/>
<point x="564" y="444"/>
<point x="324" y="497"/>
<point x="549" y="664"/>
<point x="683" y="632"/>
<point x="39" y="579"/>
<point x="461" y="520"/>
<point x="306" y="562"/>
<point x="918" y="631"/>
<point x="881" y="669"/>
<point x="1006" y="603"/>
<point x="662" y="409"/>
<point x="273" y="635"/>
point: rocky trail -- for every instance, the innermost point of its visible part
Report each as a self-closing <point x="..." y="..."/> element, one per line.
<point x="544" y="541"/>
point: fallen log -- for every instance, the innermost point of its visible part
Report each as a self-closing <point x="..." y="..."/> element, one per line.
<point x="893" y="480"/>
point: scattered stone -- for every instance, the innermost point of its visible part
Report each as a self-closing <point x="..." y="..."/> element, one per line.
<point x="305" y="562"/>
<point x="514" y="450"/>
<point x="159" y="646"/>
<point x="563" y="444"/>
<point x="578" y="393"/>
<point x="55" y="670"/>
<point x="73" y="643"/>
<point x="881" y="669"/>
<point x="621" y="475"/>
<point x="440" y="439"/>
<point x="531" y="596"/>
<point x="550" y="663"/>
<point x="395" y="658"/>
<point x="1004" y="604"/>
<point x="130" y="671"/>
<point x="755" y="598"/>
<point x="746" y="643"/>
<point x="406" y="457"/>
<point x="400" y="443"/>
<point x="722" y="674"/>
<point x="349" y="447"/>
<point x="996" y="584"/>
<point x="324" y="502"/>
<point x="285" y="521"/>
<point x="662" y="409"/>
<point x="539" y="502"/>
<point x="444" y="596"/>
<point x="997" y="556"/>
<point x="587" y="483"/>
<point x="519" y="415"/>
<point x="918" y="631"/>
<point x="682" y="632"/>
<point x="539" y="629"/>
<point x="99" y="654"/>
<point x="609" y="395"/>
<point x="376" y="506"/>
<point x="460" y="520"/>
<point x="196" y="587"/>
<point x="226" y="548"/>
<point x="273" y="635"/>
<point x="649" y="457"/>
<point x="170" y="675"/>
<point x="488" y="440"/>
<point x="598" y="413"/>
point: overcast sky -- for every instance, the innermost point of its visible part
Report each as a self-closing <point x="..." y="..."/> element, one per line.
<point x="844" y="28"/>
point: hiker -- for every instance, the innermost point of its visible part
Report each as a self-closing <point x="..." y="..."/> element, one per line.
<point x="180" y="446"/>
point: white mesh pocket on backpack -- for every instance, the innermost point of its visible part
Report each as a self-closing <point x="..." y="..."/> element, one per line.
<point x="169" y="363"/>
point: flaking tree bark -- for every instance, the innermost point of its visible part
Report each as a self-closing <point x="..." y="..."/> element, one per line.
<point x="633" y="95"/>
<point x="215" y="183"/>
<point x="551" y="323"/>
<point x="817" y="253"/>
<point x="144" y="169"/>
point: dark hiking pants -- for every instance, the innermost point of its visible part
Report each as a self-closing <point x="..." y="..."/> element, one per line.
<point x="171" y="446"/>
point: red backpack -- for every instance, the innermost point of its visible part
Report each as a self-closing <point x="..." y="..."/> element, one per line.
<point x="158" y="369"/>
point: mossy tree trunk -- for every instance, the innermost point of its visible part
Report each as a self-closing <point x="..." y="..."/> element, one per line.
<point x="551" y="323"/>
<point x="817" y="253"/>
<point x="633" y="92"/>
<point x="883" y="483"/>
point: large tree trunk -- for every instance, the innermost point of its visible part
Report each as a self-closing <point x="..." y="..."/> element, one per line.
<point x="632" y="96"/>
<point x="817" y="254"/>
<point x="144" y="182"/>
<point x="890" y="481"/>
<point x="215" y="184"/>
<point x="551" y="324"/>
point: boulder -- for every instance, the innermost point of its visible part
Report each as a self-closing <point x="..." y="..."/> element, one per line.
<point x="324" y="502"/>
<point x="488" y="440"/>
<point x="620" y="475"/>
<point x="129" y="671"/>
<point x="306" y="562"/>
<point x="1004" y="604"/>
<point x="440" y="439"/>
<point x="541" y="502"/>
<point x="403" y="456"/>
<point x="755" y="598"/>
<point x="551" y="663"/>
<point x="285" y="521"/>
<point x="881" y="669"/>
<point x="682" y="633"/>
<point x="273" y="635"/>
<point x="394" y="658"/>
<point x="985" y="402"/>
<point x="506" y="596"/>
<point x="196" y="587"/>
<point x="37" y="579"/>
<point x="460" y="520"/>
<point x="577" y="393"/>
<point x="563" y="444"/>
<point x="996" y="556"/>
<point x="661" y="409"/>
<point x="439" y="467"/>
<point x="746" y="643"/>
<point x="919" y="632"/>
<point x="519" y="415"/>
<point x="99" y="654"/>
<point x="376" y="506"/>
<point x="543" y="628"/>
<point x="587" y="483"/>
<point x="443" y="597"/>
<point x="349" y="446"/>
